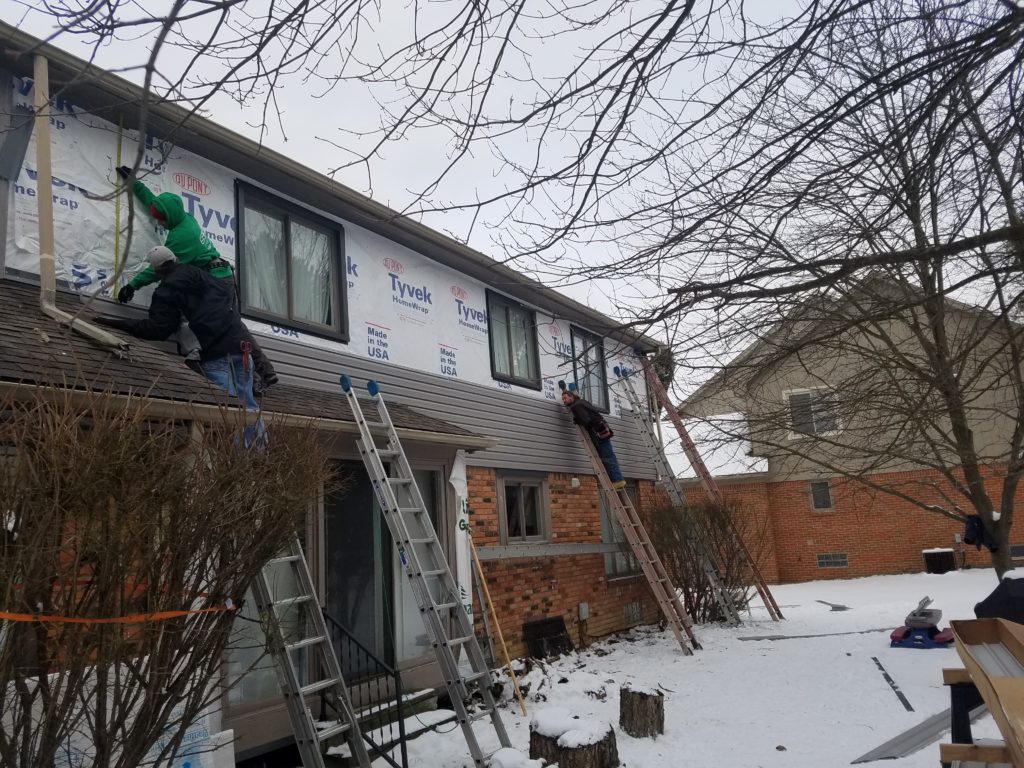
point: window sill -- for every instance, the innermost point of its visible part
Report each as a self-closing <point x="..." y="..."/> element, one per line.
<point x="524" y="383"/>
<point x="621" y="578"/>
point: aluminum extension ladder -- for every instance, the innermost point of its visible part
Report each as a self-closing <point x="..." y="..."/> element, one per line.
<point x="301" y="607"/>
<point x="433" y="585"/>
<point x="650" y="563"/>
<point x="709" y="485"/>
<point x="668" y="481"/>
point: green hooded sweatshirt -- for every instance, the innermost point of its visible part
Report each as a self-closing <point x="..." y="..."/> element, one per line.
<point x="184" y="237"/>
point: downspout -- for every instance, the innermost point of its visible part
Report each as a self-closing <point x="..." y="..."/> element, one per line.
<point x="44" y="198"/>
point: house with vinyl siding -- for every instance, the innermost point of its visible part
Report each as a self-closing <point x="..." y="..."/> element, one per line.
<point x="333" y="283"/>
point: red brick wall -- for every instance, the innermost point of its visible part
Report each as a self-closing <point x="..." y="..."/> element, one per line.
<point x="880" y="533"/>
<point x="528" y="589"/>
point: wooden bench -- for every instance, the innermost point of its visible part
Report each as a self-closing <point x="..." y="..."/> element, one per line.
<point x="993" y="654"/>
<point x="963" y="752"/>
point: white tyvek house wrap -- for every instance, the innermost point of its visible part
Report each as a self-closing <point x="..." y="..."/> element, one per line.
<point x="403" y="308"/>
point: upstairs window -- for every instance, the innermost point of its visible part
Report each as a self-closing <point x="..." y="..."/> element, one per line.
<point x="812" y="412"/>
<point x="290" y="265"/>
<point x="513" y="334"/>
<point x="589" y="367"/>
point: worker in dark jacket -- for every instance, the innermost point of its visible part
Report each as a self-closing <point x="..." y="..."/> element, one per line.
<point x="208" y="305"/>
<point x="591" y="419"/>
<point x="185" y="239"/>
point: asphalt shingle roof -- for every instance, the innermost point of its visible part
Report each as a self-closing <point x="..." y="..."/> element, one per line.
<point x="35" y="349"/>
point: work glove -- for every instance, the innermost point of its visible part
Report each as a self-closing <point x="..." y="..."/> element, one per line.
<point x="126" y="294"/>
<point x="110" y="322"/>
<point x="124" y="171"/>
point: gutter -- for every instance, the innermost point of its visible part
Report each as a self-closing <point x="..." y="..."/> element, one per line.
<point x="189" y="411"/>
<point x="44" y="199"/>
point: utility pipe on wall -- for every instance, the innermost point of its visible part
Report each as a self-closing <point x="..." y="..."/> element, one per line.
<point x="44" y="199"/>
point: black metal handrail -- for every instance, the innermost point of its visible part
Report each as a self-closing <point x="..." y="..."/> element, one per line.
<point x="373" y="682"/>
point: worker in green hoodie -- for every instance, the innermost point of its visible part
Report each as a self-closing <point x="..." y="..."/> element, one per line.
<point x="185" y="239"/>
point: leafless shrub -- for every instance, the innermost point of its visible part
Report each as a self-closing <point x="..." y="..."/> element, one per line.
<point x="685" y="538"/>
<point x="146" y="533"/>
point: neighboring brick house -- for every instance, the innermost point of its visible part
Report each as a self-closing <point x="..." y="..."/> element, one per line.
<point x="468" y="351"/>
<point x="819" y="417"/>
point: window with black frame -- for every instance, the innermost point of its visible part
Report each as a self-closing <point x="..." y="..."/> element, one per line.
<point x="290" y="265"/>
<point x="512" y="329"/>
<point x="589" y="369"/>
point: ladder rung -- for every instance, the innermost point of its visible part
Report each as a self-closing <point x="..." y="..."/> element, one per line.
<point x="399" y="480"/>
<point x="323" y="734"/>
<point x="460" y="640"/>
<point x="304" y="643"/>
<point x="320" y="685"/>
<point x="446" y="606"/>
<point x="285" y="602"/>
<point x="427" y="540"/>
<point x="434" y="572"/>
<point x="477" y="676"/>
<point x="374" y="424"/>
<point x="411" y="510"/>
<point x="284" y="559"/>
<point x="388" y="453"/>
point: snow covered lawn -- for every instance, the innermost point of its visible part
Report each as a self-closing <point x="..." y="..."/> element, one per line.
<point x="816" y="701"/>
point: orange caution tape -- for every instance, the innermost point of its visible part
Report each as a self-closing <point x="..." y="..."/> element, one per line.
<point x="137" y="618"/>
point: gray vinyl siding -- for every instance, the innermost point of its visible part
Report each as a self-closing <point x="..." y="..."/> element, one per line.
<point x="532" y="434"/>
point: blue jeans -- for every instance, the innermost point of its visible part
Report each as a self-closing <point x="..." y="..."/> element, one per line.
<point x="234" y="377"/>
<point x="608" y="458"/>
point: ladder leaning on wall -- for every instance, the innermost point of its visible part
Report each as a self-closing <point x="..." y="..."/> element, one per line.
<point x="297" y="606"/>
<point x="424" y="563"/>
<point x="670" y="484"/>
<point x="643" y="550"/>
<point x="710" y="486"/>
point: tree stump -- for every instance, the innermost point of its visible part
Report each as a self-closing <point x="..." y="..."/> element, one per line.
<point x="558" y="737"/>
<point x="641" y="711"/>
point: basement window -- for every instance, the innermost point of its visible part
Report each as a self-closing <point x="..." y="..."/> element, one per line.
<point x="833" y="560"/>
<point x="821" y="496"/>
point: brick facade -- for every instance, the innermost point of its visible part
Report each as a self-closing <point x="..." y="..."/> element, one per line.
<point x="526" y="589"/>
<point x="879" y="533"/>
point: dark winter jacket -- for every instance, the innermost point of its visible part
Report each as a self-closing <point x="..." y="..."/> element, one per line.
<point x="590" y="418"/>
<point x="185" y="238"/>
<point x="208" y="304"/>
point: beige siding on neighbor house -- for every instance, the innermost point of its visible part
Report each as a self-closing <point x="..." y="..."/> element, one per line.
<point x="855" y="367"/>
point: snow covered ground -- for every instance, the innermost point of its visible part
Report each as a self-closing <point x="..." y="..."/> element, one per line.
<point x="798" y="703"/>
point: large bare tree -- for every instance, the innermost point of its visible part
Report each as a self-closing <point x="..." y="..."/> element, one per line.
<point x="736" y="166"/>
<point x="882" y="270"/>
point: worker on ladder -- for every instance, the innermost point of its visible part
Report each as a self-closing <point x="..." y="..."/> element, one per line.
<point x="591" y="419"/>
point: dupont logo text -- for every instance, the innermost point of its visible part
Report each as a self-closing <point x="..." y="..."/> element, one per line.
<point x="394" y="266"/>
<point x="190" y="183"/>
<point x="459" y="292"/>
